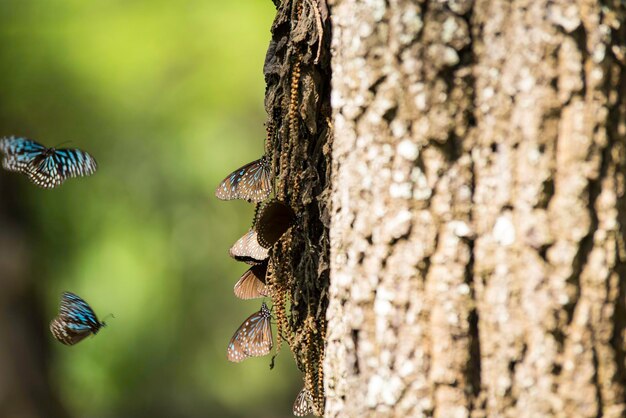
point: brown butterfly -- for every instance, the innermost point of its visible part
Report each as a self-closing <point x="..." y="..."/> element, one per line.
<point x="248" y="250"/>
<point x="253" y="338"/>
<point x="76" y="320"/>
<point x="274" y="219"/>
<point x="252" y="285"/>
<point x="252" y="182"/>
<point x="303" y="404"/>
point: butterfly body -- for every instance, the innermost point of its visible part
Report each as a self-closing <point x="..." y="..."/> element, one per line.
<point x="76" y="320"/>
<point x="46" y="167"/>
<point x="252" y="182"/>
<point x="253" y="338"/>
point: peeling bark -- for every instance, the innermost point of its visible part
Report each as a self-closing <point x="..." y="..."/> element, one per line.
<point x="478" y="211"/>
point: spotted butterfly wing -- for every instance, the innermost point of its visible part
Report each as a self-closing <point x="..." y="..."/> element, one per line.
<point x="46" y="167"/>
<point x="248" y="249"/>
<point x="253" y="338"/>
<point x="303" y="404"/>
<point x="19" y="152"/>
<point x="252" y="285"/>
<point x="252" y="182"/>
<point x="76" y="320"/>
<point x="53" y="167"/>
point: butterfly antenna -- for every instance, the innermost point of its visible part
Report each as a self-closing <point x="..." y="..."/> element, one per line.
<point x="108" y="316"/>
<point x="62" y="143"/>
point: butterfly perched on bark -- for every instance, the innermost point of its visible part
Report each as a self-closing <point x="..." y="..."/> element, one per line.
<point x="76" y="320"/>
<point x="252" y="182"/>
<point x="253" y="338"/>
<point x="248" y="249"/>
<point x="303" y="404"/>
<point x="252" y="285"/>
<point x="274" y="219"/>
<point x="46" y="167"/>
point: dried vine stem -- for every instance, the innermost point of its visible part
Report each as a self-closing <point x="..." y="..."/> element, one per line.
<point x="297" y="74"/>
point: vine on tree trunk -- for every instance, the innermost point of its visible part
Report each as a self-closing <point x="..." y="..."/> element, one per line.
<point x="297" y="102"/>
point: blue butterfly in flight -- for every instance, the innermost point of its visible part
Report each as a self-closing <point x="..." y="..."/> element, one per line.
<point x="76" y="320"/>
<point x="46" y="167"/>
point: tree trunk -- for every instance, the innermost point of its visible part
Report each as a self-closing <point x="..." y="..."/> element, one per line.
<point x="478" y="264"/>
<point x="25" y="391"/>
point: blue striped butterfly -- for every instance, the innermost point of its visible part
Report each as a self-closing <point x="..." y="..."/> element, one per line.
<point x="46" y="167"/>
<point x="76" y="320"/>
<point x="252" y="285"/>
<point x="248" y="249"/>
<point x="252" y="182"/>
<point x="303" y="404"/>
<point x="253" y="338"/>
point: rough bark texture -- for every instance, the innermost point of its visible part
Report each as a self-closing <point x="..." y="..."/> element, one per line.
<point x="25" y="390"/>
<point x="478" y="264"/>
<point x="297" y="102"/>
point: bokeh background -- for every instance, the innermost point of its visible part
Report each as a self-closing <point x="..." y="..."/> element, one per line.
<point x="168" y="96"/>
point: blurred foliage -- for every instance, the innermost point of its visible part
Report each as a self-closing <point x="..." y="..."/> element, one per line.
<point x="168" y="96"/>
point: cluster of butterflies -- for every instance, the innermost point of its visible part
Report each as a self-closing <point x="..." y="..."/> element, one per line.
<point x="253" y="338"/>
<point x="49" y="168"/>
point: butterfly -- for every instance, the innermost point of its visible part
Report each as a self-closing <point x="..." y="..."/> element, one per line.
<point x="248" y="250"/>
<point x="46" y="167"/>
<point x="274" y="219"/>
<point x="253" y="338"/>
<point x="252" y="182"/>
<point x="76" y="320"/>
<point x="252" y="285"/>
<point x="303" y="404"/>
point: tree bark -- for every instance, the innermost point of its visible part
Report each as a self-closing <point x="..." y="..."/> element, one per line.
<point x="25" y="390"/>
<point x="478" y="264"/>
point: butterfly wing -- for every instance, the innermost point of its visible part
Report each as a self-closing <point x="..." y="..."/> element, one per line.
<point x="259" y="341"/>
<point x="44" y="172"/>
<point x="252" y="285"/>
<point x="49" y="171"/>
<point x="68" y="333"/>
<point x="76" y="320"/>
<point x="253" y="338"/>
<point x="74" y="163"/>
<point x="75" y="309"/>
<point x="19" y="152"/>
<point x="274" y="219"/>
<point x="303" y="404"/>
<point x="252" y="182"/>
<point x="248" y="249"/>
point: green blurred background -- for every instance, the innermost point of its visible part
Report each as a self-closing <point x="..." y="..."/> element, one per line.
<point x="168" y="96"/>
